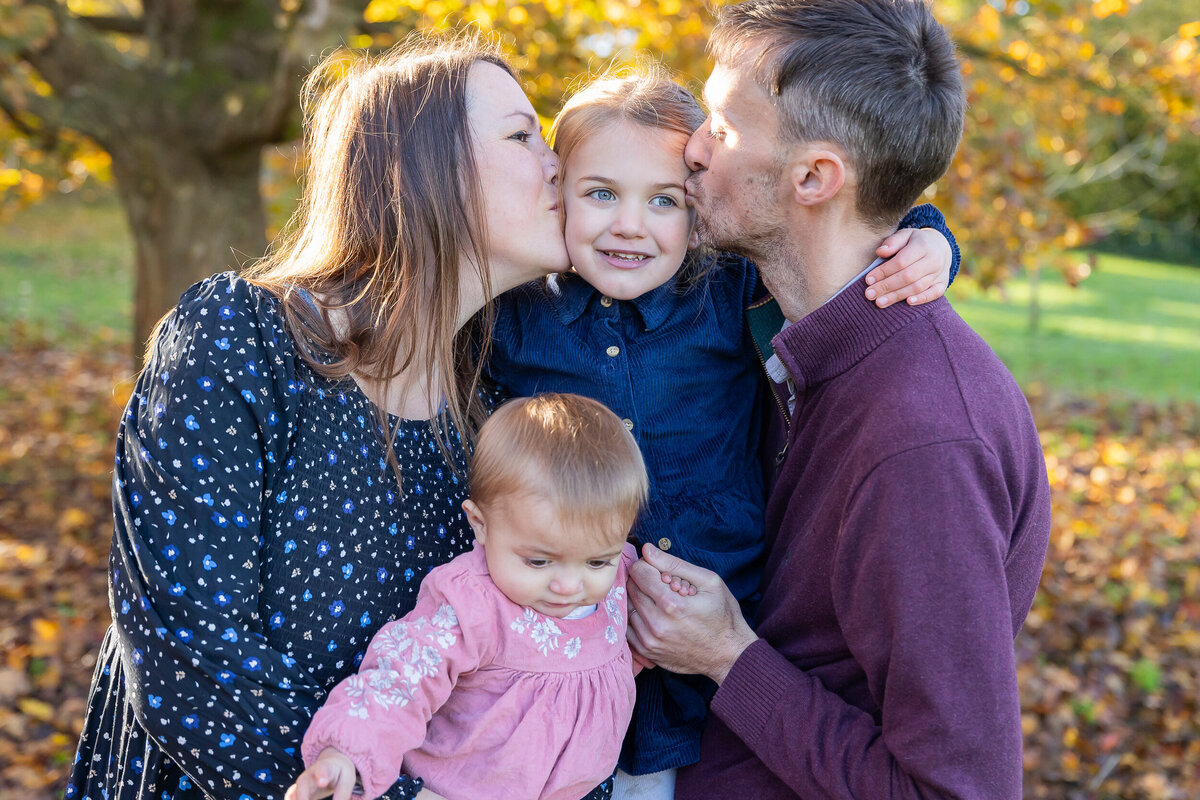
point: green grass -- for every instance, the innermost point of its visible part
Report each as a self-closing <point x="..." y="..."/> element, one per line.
<point x="1130" y="329"/>
<point x="66" y="268"/>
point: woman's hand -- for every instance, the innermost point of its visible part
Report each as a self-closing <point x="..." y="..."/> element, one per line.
<point x="917" y="269"/>
<point x="331" y="774"/>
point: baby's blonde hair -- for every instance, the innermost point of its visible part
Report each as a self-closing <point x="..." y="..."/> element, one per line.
<point x="568" y="449"/>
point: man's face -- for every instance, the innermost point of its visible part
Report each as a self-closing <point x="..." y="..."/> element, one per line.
<point x="738" y="184"/>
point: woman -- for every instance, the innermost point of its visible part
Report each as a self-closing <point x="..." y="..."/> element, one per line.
<point x="291" y="462"/>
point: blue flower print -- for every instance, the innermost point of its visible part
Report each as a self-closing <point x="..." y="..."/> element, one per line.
<point x="177" y="589"/>
<point x="381" y="574"/>
<point x="225" y="313"/>
<point x="342" y="398"/>
<point x="332" y="457"/>
<point x="222" y="344"/>
<point x="323" y="548"/>
<point x="221" y="599"/>
<point x="301" y="513"/>
<point x="252" y="368"/>
<point x="230" y="635"/>
<point x="365" y="620"/>
<point x="441" y="531"/>
<point x="408" y="574"/>
<point x="248" y="396"/>
<point x="190" y="423"/>
<point x="239" y="519"/>
<point x="337" y="608"/>
<point x="208" y="562"/>
<point x="227" y="740"/>
<point x="277" y="620"/>
<point x="155" y="701"/>
<point x="200" y="463"/>
<point x="169" y="516"/>
<point x="281" y="498"/>
<point x="184" y="635"/>
<point x="184" y="783"/>
<point x="410" y="542"/>
<point x="225" y="676"/>
<point x="206" y="383"/>
<point x="170" y="552"/>
<point x="135" y="499"/>
<point x="220" y="520"/>
<point x="263" y="775"/>
<point x="348" y="507"/>
<point x="252" y="664"/>
<point x="205" y="498"/>
<point x="347" y="571"/>
<point x="289" y="546"/>
<point x="392" y="529"/>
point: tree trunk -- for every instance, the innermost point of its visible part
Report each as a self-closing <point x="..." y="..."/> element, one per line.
<point x="191" y="215"/>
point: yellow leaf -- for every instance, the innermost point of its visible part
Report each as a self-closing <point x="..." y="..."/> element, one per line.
<point x="45" y="629"/>
<point x="1189" y="30"/>
<point x="38" y="709"/>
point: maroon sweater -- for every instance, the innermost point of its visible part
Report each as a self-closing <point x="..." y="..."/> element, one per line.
<point x="905" y="534"/>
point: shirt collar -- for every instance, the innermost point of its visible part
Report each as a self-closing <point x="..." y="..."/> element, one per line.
<point x="574" y="294"/>
<point x="839" y="334"/>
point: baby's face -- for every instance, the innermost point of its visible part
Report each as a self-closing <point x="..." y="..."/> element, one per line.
<point x="623" y="192"/>
<point x="539" y="560"/>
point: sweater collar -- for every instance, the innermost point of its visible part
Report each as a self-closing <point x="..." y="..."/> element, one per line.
<point x="839" y="334"/>
<point x="574" y="294"/>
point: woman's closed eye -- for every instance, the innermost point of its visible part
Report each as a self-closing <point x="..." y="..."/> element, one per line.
<point x="522" y="136"/>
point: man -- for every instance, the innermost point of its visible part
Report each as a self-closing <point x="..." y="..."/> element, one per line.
<point x="910" y="513"/>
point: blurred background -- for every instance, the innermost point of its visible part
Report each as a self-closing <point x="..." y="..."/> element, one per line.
<point x="145" y="145"/>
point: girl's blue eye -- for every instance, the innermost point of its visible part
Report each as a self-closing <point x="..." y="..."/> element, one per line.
<point x="663" y="201"/>
<point x="603" y="195"/>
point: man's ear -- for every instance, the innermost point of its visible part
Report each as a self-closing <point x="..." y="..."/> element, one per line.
<point x="817" y="176"/>
<point x="475" y="520"/>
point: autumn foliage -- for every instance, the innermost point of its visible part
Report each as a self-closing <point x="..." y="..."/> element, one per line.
<point x="1107" y="659"/>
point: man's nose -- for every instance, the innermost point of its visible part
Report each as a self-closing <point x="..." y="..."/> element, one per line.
<point x="699" y="147"/>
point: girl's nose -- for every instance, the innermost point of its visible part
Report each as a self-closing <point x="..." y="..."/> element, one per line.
<point x="629" y="222"/>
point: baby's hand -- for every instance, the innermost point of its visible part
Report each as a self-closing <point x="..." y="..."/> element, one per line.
<point x="679" y="585"/>
<point x="917" y="269"/>
<point x="331" y="774"/>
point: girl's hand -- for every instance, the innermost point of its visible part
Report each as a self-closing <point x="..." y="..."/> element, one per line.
<point x="331" y="774"/>
<point x="679" y="585"/>
<point x="917" y="269"/>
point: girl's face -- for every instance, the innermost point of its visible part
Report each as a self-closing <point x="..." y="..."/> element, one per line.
<point x="627" y="226"/>
<point x="516" y="177"/>
<point x="541" y="561"/>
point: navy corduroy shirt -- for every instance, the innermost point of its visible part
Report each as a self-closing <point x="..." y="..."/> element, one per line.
<point x="679" y="366"/>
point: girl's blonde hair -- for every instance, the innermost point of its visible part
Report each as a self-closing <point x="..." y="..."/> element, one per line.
<point x="568" y="449"/>
<point x="390" y="214"/>
<point x="644" y="95"/>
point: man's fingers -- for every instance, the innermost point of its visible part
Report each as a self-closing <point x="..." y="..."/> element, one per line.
<point x="664" y="562"/>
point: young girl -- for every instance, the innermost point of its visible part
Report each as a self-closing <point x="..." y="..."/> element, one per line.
<point x="511" y="678"/>
<point x="658" y="336"/>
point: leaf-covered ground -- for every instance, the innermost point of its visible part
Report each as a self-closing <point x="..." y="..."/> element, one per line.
<point x="1108" y="659"/>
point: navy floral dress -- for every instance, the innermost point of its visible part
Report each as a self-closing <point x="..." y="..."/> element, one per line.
<point x="260" y="540"/>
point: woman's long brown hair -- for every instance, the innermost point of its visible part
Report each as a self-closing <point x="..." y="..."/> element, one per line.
<point x="389" y="217"/>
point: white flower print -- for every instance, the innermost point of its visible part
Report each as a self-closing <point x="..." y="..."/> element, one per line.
<point x="610" y="635"/>
<point x="572" y="648"/>
<point x="409" y="652"/>
<point x="542" y="630"/>
<point x="612" y="604"/>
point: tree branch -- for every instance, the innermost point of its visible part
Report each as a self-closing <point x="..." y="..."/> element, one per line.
<point x="133" y="26"/>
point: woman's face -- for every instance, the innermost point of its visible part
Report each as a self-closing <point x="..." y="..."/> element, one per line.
<point x="516" y="178"/>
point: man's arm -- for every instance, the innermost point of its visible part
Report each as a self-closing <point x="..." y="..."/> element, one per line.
<point x="921" y="595"/>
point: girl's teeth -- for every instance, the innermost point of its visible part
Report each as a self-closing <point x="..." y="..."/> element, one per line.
<point x="625" y="257"/>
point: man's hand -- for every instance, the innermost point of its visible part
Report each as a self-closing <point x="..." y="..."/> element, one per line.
<point x="701" y="634"/>
<point x="332" y="773"/>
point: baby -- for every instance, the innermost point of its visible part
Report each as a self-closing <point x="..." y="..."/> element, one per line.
<point x="511" y="678"/>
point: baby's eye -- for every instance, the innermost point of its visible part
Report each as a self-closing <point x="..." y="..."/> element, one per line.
<point x="663" y="201"/>
<point x="536" y="563"/>
<point x="599" y="563"/>
<point x="603" y="195"/>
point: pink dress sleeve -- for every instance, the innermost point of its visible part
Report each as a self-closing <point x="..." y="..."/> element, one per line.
<point x="411" y="666"/>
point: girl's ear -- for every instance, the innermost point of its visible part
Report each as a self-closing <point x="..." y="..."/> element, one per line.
<point x="475" y="520"/>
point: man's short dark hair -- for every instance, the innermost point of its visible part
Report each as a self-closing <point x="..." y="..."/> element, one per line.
<point x="878" y="78"/>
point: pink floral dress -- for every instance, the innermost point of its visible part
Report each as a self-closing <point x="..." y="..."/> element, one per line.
<point x="482" y="697"/>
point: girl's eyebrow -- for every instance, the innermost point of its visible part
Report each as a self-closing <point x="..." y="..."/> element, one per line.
<point x="656" y="187"/>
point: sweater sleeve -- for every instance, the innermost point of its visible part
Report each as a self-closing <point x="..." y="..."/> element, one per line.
<point x="920" y="591"/>
<point x="928" y="216"/>
<point x="412" y="665"/>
